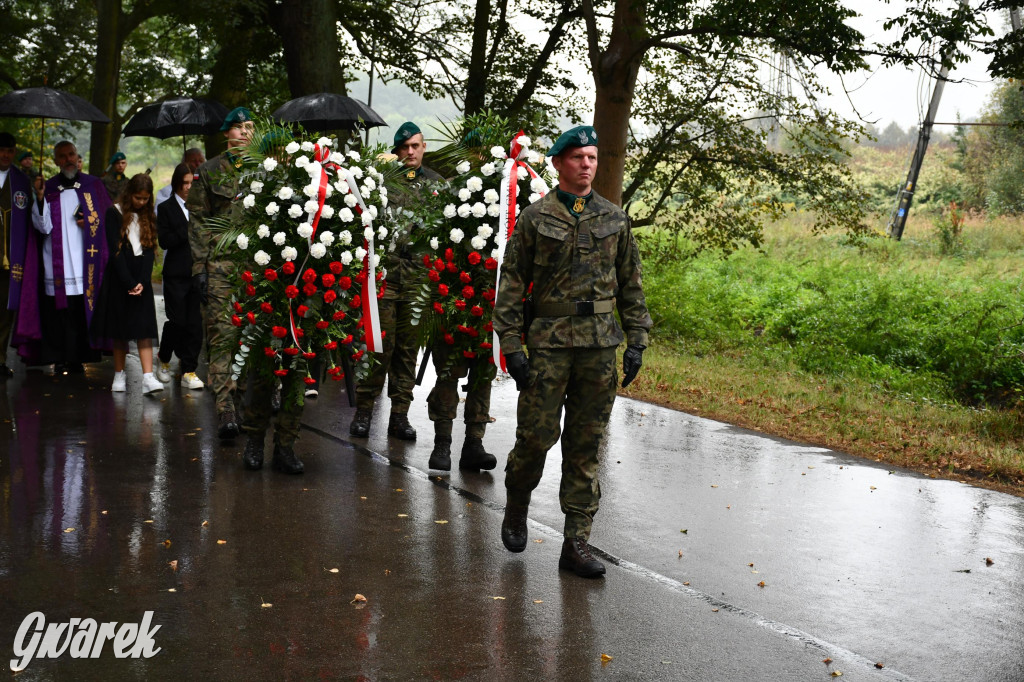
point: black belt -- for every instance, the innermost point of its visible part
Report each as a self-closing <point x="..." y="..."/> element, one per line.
<point x="575" y="308"/>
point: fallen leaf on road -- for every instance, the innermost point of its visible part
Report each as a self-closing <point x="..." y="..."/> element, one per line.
<point x="751" y="564"/>
<point x="69" y="530"/>
<point x="265" y="605"/>
<point x="684" y="531"/>
<point x="204" y="524"/>
<point x="148" y="521"/>
<point x="827" y="661"/>
<point x="222" y="542"/>
<point x="398" y="490"/>
<point x="538" y="541"/>
<point x="728" y="506"/>
<point x="837" y="673"/>
<point x="403" y="516"/>
<point x="172" y="590"/>
<point x="538" y="601"/>
<point x="680" y="554"/>
<point x="963" y="570"/>
<point x="687" y="584"/>
<point x="173" y="563"/>
<point x="167" y="543"/>
<point x="362" y="497"/>
<point x="761" y="584"/>
<point x="358" y="598"/>
<point x="879" y="665"/>
<point x="605" y="658"/>
<point x="332" y="570"/>
<point x="714" y="610"/>
<point x="988" y="562"/>
<point x="874" y="488"/>
<point x="810" y="467"/>
<point x="103" y="512"/>
<point x="441" y="522"/>
<point x="714" y="486"/>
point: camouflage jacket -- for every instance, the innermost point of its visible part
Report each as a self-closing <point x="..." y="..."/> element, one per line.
<point x="568" y="259"/>
<point x="115" y="184"/>
<point x="212" y="194"/>
<point x="399" y="263"/>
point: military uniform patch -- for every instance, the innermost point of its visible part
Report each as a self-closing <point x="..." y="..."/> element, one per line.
<point x="411" y="175"/>
<point x="20" y="199"/>
<point x="579" y="205"/>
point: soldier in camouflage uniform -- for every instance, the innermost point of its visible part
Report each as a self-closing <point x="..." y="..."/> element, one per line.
<point x="443" y="402"/>
<point x="213" y="193"/>
<point x="398" y="359"/>
<point x="114" y="179"/>
<point x="578" y="250"/>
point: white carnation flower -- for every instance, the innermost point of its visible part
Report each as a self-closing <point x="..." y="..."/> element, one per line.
<point x="475" y="184"/>
<point x="263" y="231"/>
<point x="350" y="200"/>
<point x="307" y="146"/>
<point x="434" y="243"/>
<point x="345" y="215"/>
<point x="485" y="231"/>
<point x="345" y="237"/>
<point x="491" y="196"/>
<point x="494" y="210"/>
<point x="488" y="169"/>
<point x="289" y="253"/>
<point x="524" y="141"/>
<point x="368" y="233"/>
<point x="534" y="198"/>
<point x="285" y="193"/>
<point x="369" y="184"/>
<point x="464" y="194"/>
<point x="341" y="186"/>
<point x="449" y="211"/>
<point x="262" y="258"/>
<point x="477" y="242"/>
<point x="534" y="157"/>
<point x="383" y="191"/>
<point x="270" y="163"/>
<point x="382" y="233"/>
<point x="256" y="187"/>
<point x="366" y="218"/>
<point x="498" y="152"/>
<point x="356" y="171"/>
<point x="311" y="206"/>
<point x="376" y="259"/>
<point x="495" y="253"/>
<point x="345" y="257"/>
<point x="301" y="162"/>
<point x="372" y="210"/>
<point x="463" y="167"/>
<point x="294" y="211"/>
<point x="354" y="155"/>
<point x="456" y="235"/>
<point x="249" y="201"/>
<point x="292" y="147"/>
<point x="324" y="142"/>
<point x="478" y="210"/>
<point x="463" y="211"/>
<point x="315" y="170"/>
<point x="328" y="212"/>
<point x="272" y="208"/>
<point x="305" y="230"/>
<point x="522" y="173"/>
<point x="242" y="241"/>
<point x="360" y="253"/>
<point x="317" y="250"/>
<point x="280" y="238"/>
<point x="337" y="158"/>
<point x="326" y="238"/>
<point x="311" y="190"/>
<point x="538" y="185"/>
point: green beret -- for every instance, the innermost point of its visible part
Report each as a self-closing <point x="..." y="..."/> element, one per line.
<point x="118" y="156"/>
<point x="24" y="155"/>
<point x="407" y="130"/>
<point x="580" y="136"/>
<point x="7" y="141"/>
<point x="236" y="116"/>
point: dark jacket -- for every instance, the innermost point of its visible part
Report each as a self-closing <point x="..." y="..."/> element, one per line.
<point x="172" y="231"/>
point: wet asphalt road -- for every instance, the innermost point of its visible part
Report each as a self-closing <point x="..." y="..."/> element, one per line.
<point x="860" y="564"/>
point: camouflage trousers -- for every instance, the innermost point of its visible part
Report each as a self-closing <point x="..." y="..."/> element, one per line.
<point x="219" y="331"/>
<point x="397" y="362"/>
<point x="257" y="413"/>
<point x="443" y="401"/>
<point x="582" y="381"/>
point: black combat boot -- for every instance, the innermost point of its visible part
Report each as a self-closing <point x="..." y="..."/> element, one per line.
<point x="400" y="428"/>
<point x="360" y="426"/>
<point x="228" y="428"/>
<point x="576" y="557"/>
<point x="252" y="457"/>
<point x="513" y="528"/>
<point x="286" y="461"/>
<point x="441" y="455"/>
<point x="474" y="457"/>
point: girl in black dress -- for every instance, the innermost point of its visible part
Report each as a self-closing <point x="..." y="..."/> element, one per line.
<point x="126" y="310"/>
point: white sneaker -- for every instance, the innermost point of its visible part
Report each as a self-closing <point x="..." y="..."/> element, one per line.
<point x="312" y="392"/>
<point x="163" y="372"/>
<point x="150" y="384"/>
<point x="190" y="380"/>
<point x="120" y="383"/>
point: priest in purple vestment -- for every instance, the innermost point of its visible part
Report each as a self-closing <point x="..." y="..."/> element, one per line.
<point x="15" y="199"/>
<point x="65" y="253"/>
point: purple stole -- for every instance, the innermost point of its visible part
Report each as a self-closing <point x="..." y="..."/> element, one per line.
<point x="22" y="198"/>
<point x="94" y="201"/>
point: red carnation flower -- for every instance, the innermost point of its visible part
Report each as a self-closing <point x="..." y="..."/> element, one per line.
<point x="270" y="274"/>
<point x="345" y="282"/>
<point x="467" y="292"/>
<point x="281" y="372"/>
<point x="358" y="356"/>
<point x="339" y="315"/>
<point x="250" y="290"/>
<point x="336" y="267"/>
<point x="309" y="275"/>
<point x="288" y="268"/>
<point x="476" y="311"/>
<point x="438" y="308"/>
<point x="488" y="294"/>
<point x="329" y="296"/>
<point x="491" y="264"/>
<point x="486" y="345"/>
<point x="449" y="254"/>
<point x="302" y="310"/>
<point x="293" y="351"/>
<point x="439" y="265"/>
<point x="473" y="258"/>
<point x="361" y="277"/>
<point x="323" y="324"/>
<point x="237" y="306"/>
<point x="468" y="354"/>
<point x="460" y="304"/>
<point x="433" y="276"/>
<point x="291" y="291"/>
<point x="331" y="345"/>
<point x="347" y="340"/>
<point x="328" y="280"/>
<point x="465" y="277"/>
<point x="279" y="332"/>
<point x="299" y="333"/>
<point x="309" y="288"/>
<point x="309" y="355"/>
<point x="251" y="317"/>
<point x="247" y="276"/>
<point x="236" y="320"/>
<point x="428" y="261"/>
<point x="337" y="377"/>
<point x="449" y="339"/>
<point x="452" y="267"/>
<point x="355" y="302"/>
<point x="269" y="352"/>
<point x="266" y="307"/>
<point x="489" y="327"/>
<point x="442" y="289"/>
<point x="310" y="380"/>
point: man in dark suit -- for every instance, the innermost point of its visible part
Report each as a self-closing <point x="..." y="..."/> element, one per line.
<point x="183" y="331"/>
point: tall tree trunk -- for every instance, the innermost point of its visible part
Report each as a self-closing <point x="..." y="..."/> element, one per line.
<point x="309" y="33"/>
<point x="476" y="82"/>
<point x="615" y="73"/>
<point x="106" y="81"/>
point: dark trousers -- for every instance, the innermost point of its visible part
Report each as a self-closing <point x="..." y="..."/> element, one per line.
<point x="65" y="332"/>
<point x="6" y="316"/>
<point x="183" y="330"/>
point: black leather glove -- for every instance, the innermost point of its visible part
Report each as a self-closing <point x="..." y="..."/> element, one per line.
<point x="199" y="285"/>
<point x="519" y="367"/>
<point x="632" y="361"/>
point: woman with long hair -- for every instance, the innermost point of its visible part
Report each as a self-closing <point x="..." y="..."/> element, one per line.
<point x="125" y="309"/>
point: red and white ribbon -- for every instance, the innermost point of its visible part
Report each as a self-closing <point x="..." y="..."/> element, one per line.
<point x="509" y="195"/>
<point x="371" y="317"/>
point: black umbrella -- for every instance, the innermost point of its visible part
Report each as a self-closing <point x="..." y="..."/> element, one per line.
<point x="46" y="103"/>
<point x="328" y="111"/>
<point x="179" y="116"/>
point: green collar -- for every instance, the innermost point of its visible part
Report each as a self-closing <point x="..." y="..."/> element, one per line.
<point x="233" y="159"/>
<point x="575" y="204"/>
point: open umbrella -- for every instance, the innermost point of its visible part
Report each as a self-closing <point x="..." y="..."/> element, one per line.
<point x="328" y="111"/>
<point x="44" y="103"/>
<point x="177" y="116"/>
